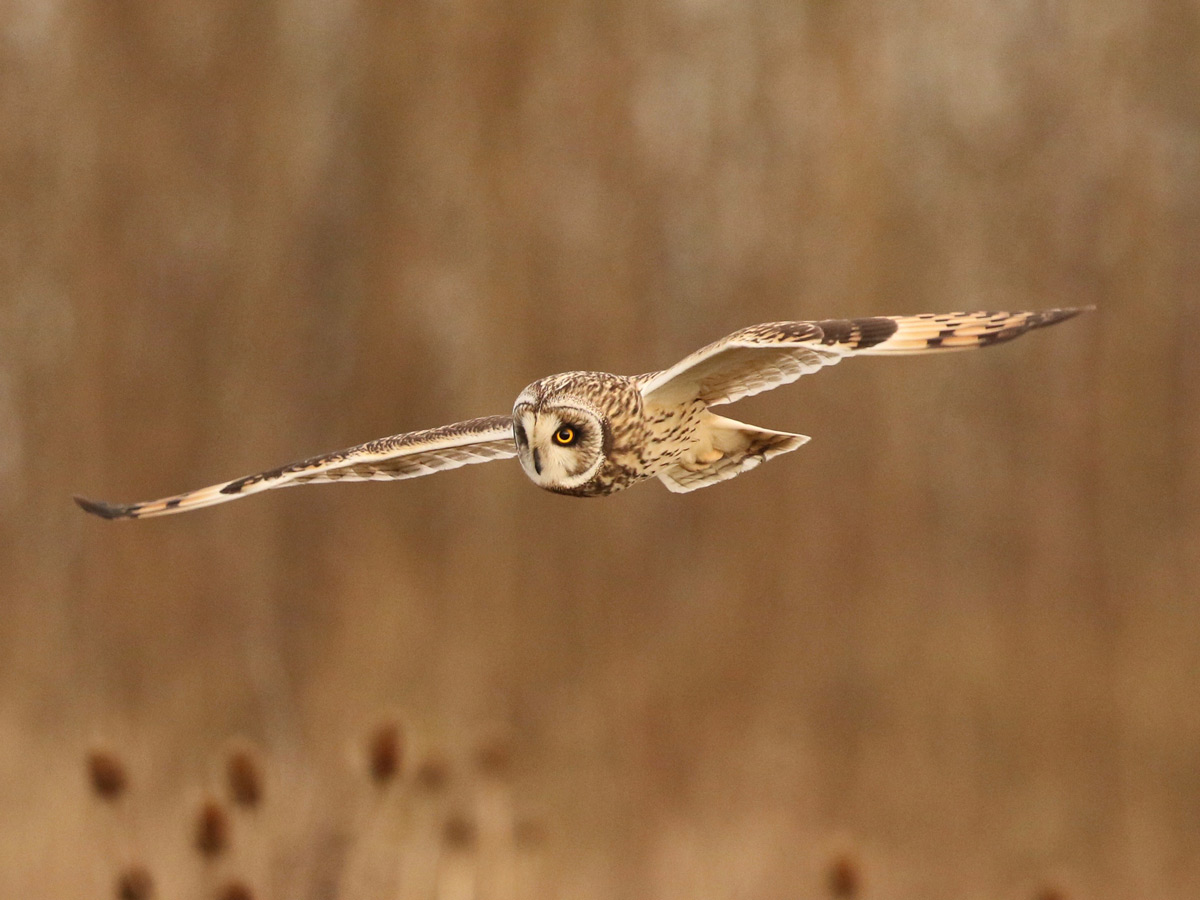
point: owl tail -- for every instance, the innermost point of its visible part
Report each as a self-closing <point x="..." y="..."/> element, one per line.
<point x="726" y="449"/>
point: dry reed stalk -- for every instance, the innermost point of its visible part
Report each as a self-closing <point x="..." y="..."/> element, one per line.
<point x="111" y="820"/>
<point x="252" y="819"/>
<point x="379" y="823"/>
<point x="421" y="851"/>
<point x="493" y="804"/>
<point x="458" y="861"/>
<point x="530" y="876"/>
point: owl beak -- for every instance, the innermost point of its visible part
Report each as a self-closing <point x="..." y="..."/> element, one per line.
<point x="537" y="462"/>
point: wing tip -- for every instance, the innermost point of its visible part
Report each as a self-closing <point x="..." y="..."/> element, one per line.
<point x="1068" y="312"/>
<point x="1045" y="317"/>
<point x="106" y="510"/>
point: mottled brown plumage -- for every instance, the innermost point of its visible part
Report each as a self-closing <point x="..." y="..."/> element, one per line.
<point x="589" y="434"/>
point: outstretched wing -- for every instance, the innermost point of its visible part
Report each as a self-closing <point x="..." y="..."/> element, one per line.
<point x="763" y="357"/>
<point x="391" y="458"/>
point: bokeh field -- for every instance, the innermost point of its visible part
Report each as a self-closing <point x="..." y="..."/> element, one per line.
<point x="949" y="649"/>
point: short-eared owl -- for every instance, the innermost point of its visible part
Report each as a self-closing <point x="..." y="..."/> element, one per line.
<point x="591" y="433"/>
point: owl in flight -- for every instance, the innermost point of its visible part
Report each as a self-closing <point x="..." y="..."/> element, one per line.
<point x="589" y="434"/>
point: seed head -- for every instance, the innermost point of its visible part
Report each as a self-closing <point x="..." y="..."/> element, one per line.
<point x="235" y="890"/>
<point x="433" y="773"/>
<point x="243" y="774"/>
<point x="135" y="883"/>
<point x="107" y="775"/>
<point x="212" y="829"/>
<point x="494" y="758"/>
<point x="385" y="753"/>
<point x="845" y="879"/>
<point x="459" y="833"/>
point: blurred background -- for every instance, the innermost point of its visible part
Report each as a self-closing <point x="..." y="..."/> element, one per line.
<point x="949" y="649"/>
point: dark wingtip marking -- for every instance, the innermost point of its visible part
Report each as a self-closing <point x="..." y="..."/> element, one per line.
<point x="874" y="331"/>
<point x="1034" y="320"/>
<point x="106" y="510"/>
<point x="857" y="334"/>
<point x="1054" y="316"/>
<point x="1059" y="315"/>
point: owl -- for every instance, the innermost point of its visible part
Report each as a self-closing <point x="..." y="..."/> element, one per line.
<point x="590" y="434"/>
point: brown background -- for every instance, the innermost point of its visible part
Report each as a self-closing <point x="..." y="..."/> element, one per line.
<point x="950" y="649"/>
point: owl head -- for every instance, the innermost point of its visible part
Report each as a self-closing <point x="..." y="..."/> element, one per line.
<point x="562" y="435"/>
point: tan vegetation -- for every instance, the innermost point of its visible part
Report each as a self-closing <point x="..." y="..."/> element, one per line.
<point x="951" y="648"/>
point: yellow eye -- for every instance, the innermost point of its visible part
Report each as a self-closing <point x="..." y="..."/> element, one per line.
<point x="565" y="436"/>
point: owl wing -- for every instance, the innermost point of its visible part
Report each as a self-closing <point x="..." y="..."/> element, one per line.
<point x="386" y="459"/>
<point x="763" y="357"/>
